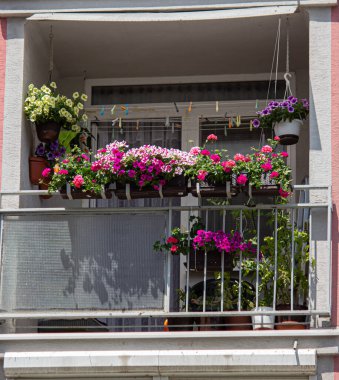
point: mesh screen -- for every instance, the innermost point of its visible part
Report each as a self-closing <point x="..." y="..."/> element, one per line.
<point x="82" y="262"/>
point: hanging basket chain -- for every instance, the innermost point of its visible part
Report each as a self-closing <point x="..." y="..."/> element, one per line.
<point x="288" y="75"/>
<point x="51" y="54"/>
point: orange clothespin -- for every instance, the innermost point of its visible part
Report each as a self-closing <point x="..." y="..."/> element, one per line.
<point x="166" y="325"/>
<point x="230" y="122"/>
<point x="190" y="107"/>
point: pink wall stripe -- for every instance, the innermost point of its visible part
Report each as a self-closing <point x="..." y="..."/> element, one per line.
<point x="3" y="37"/>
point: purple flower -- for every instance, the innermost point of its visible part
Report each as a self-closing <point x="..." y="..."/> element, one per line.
<point x="50" y="156"/>
<point x="290" y="109"/>
<point x="294" y="100"/>
<point x="265" y="112"/>
<point x="290" y="98"/>
<point x="285" y="104"/>
<point x="40" y="150"/>
<point x="256" y="123"/>
<point x="54" y="145"/>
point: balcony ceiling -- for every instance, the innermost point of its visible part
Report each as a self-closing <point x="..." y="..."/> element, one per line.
<point x="143" y="49"/>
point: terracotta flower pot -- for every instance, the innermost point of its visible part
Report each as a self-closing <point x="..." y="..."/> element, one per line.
<point x="180" y="324"/>
<point x="44" y="186"/>
<point x="47" y="132"/>
<point x="240" y="322"/>
<point x="291" y="322"/>
<point x="36" y="166"/>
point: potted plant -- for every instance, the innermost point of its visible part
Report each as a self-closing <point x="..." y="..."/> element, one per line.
<point x="264" y="172"/>
<point x="210" y="175"/>
<point x="145" y="172"/>
<point x="284" y="265"/>
<point x="76" y="178"/>
<point x="285" y="117"/>
<point x="50" y="111"/>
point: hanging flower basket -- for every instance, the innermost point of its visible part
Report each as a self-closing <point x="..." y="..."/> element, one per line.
<point x="47" y="132"/>
<point x="288" y="131"/>
<point x="203" y="189"/>
<point x="176" y="187"/>
<point x="197" y="261"/>
<point x="36" y="167"/>
<point x="71" y="193"/>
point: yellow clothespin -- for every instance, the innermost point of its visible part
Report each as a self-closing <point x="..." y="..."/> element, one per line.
<point x="113" y="110"/>
<point x="190" y="107"/>
<point x="251" y="125"/>
<point x="216" y="106"/>
<point x="120" y="122"/>
<point x="238" y="121"/>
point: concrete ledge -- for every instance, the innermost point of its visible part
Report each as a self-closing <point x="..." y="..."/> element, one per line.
<point x="159" y="362"/>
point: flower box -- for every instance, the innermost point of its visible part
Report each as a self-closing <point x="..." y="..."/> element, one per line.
<point x="269" y="187"/>
<point x="71" y="193"/>
<point x="207" y="190"/>
<point x="177" y="187"/>
<point x="197" y="261"/>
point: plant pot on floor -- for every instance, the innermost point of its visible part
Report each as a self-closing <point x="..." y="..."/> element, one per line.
<point x="262" y="321"/>
<point x="238" y="323"/>
<point x="176" y="187"/>
<point x="36" y="166"/>
<point x="47" y="132"/>
<point x="291" y="322"/>
<point x="288" y="131"/>
<point x="180" y="324"/>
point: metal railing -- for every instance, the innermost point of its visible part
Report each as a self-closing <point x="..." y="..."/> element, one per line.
<point x="314" y="307"/>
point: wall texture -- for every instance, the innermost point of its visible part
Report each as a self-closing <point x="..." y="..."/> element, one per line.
<point x="3" y="36"/>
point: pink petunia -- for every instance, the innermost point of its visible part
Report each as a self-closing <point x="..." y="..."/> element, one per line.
<point x="131" y="173"/>
<point x="195" y="150"/>
<point x="274" y="174"/>
<point x="45" y="173"/>
<point x="242" y="179"/>
<point x="63" y="172"/>
<point x="266" y="149"/>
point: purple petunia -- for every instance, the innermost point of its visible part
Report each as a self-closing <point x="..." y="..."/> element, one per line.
<point x="290" y="109"/>
<point x="256" y="123"/>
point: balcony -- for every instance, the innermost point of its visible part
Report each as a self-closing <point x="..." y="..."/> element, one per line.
<point x="85" y="269"/>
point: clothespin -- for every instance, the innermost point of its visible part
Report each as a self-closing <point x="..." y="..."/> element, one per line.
<point x="123" y="108"/>
<point x="256" y="104"/>
<point x="230" y="122"/>
<point x="238" y="121"/>
<point x="120" y="122"/>
<point x="137" y="127"/>
<point x="190" y="107"/>
<point x="216" y="106"/>
<point x="102" y="111"/>
<point x="176" y="107"/>
<point x="113" y="110"/>
<point x="225" y="130"/>
<point x="172" y="127"/>
<point x="167" y="122"/>
<point x="251" y="125"/>
<point x="126" y="110"/>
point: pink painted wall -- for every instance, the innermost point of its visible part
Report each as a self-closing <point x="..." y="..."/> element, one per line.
<point x="3" y="36"/>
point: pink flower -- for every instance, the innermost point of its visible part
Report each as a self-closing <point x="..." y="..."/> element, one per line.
<point x="242" y="179"/>
<point x="174" y="248"/>
<point x="212" y="137"/>
<point x="94" y="180"/>
<point x="266" y="149"/>
<point x="276" y="138"/>
<point x="95" y="166"/>
<point x="283" y="193"/>
<point x="205" y="152"/>
<point x="195" y="150"/>
<point x="45" y="173"/>
<point x="162" y="182"/>
<point x="266" y="166"/>
<point x="63" y="172"/>
<point x="274" y="174"/>
<point x="284" y="154"/>
<point x="215" y="158"/>
<point x="274" y="155"/>
<point x="66" y="161"/>
<point x="247" y="159"/>
<point x="228" y="165"/>
<point x="172" y="240"/>
<point x="131" y="173"/>
<point x="239" y="157"/>
<point x="202" y="175"/>
<point x="86" y="158"/>
<point x="78" y="181"/>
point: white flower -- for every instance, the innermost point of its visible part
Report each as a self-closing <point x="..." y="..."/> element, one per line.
<point x="31" y="87"/>
<point x="75" y="95"/>
<point x="53" y="85"/>
<point x="84" y="97"/>
<point x="76" y="128"/>
<point x="69" y="103"/>
<point x="84" y="117"/>
<point x="80" y="106"/>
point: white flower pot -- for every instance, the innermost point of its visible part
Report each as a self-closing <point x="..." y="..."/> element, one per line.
<point x="288" y="131"/>
<point x="263" y="322"/>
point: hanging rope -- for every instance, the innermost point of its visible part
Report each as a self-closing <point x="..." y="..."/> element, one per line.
<point x="275" y="59"/>
<point x="288" y="75"/>
<point x="51" y="54"/>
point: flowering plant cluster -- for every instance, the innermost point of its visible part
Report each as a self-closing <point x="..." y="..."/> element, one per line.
<point x="50" y="151"/>
<point x="146" y="166"/>
<point x="75" y="169"/>
<point x="264" y="166"/>
<point x="290" y="109"/>
<point x="45" y="104"/>
<point x="231" y="242"/>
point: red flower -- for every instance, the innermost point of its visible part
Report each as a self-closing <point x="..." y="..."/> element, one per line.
<point x="215" y="158"/>
<point x="174" y="248"/>
<point x="172" y="240"/>
<point x="284" y="154"/>
<point x="276" y="138"/>
<point x="205" y="152"/>
<point x="283" y="193"/>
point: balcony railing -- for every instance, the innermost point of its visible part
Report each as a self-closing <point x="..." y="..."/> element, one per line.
<point x="97" y="264"/>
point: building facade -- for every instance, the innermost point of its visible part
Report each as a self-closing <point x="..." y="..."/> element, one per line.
<point x="82" y="295"/>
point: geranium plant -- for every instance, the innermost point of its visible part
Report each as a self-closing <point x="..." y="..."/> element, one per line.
<point x="264" y="166"/>
<point x="76" y="170"/>
<point x="290" y="109"/>
<point x="209" y="164"/>
<point x="46" y="104"/>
